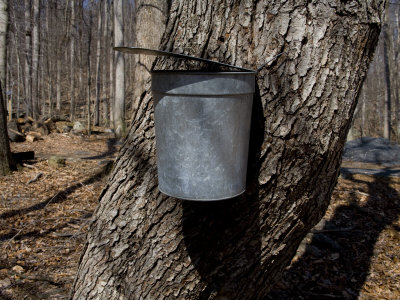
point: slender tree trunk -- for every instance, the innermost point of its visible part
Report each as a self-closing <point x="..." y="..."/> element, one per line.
<point x="363" y="112"/>
<point x="119" y="102"/>
<point x="5" y="153"/>
<point x="9" y="87"/>
<point x="388" y="93"/>
<point x="82" y="86"/>
<point x="18" y="80"/>
<point x="35" y="59"/>
<point x="3" y="40"/>
<point x="49" y="56"/>
<point x="112" y="70"/>
<point x="58" y="84"/>
<point x="393" y="36"/>
<point x="98" y="70"/>
<point x="28" y="98"/>
<point x="106" y="91"/>
<point x="41" y="86"/>
<point x="17" y="48"/>
<point x="6" y="163"/>
<point x="72" y="61"/>
<point x="58" y="67"/>
<point x="145" y="245"/>
<point x="89" y="71"/>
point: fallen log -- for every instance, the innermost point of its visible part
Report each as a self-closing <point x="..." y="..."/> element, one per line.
<point x="15" y="136"/>
<point x="31" y="138"/>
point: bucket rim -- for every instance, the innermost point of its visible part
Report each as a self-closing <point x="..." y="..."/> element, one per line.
<point x="199" y="72"/>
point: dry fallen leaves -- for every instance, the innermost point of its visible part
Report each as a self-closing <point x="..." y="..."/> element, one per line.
<point x="43" y="223"/>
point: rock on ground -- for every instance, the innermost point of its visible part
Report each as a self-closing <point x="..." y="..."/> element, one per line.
<point x="373" y="150"/>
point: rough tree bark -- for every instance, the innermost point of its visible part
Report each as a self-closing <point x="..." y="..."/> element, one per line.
<point x="144" y="245"/>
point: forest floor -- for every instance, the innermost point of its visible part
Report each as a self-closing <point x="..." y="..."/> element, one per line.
<point x="354" y="252"/>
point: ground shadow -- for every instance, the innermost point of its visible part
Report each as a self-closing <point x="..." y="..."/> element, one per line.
<point x="336" y="263"/>
<point x="111" y="149"/>
<point x="223" y="237"/>
<point x="58" y="197"/>
<point x="13" y="233"/>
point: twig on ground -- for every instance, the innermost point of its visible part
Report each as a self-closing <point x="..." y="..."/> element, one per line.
<point x="10" y="240"/>
<point x="29" y="166"/>
<point x="36" y="178"/>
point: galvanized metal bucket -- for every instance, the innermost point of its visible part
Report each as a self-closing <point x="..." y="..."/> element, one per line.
<point x="202" y="124"/>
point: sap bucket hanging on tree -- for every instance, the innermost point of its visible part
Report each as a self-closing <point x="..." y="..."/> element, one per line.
<point x="202" y="125"/>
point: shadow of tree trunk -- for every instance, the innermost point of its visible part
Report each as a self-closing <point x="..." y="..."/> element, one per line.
<point x="337" y="261"/>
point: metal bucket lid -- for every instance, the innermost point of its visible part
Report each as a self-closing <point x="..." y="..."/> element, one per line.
<point x="138" y="50"/>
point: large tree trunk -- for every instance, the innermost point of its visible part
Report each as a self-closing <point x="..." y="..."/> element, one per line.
<point x="144" y="245"/>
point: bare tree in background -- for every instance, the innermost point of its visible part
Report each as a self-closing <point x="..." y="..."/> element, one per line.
<point x="119" y="102"/>
<point x="98" y="69"/>
<point x="151" y="18"/>
<point x="28" y="98"/>
<point x="3" y="39"/>
<point x="105" y="67"/>
<point x="379" y="115"/>
<point x="6" y="163"/>
<point x="388" y="95"/>
<point x="72" y="60"/>
<point x="111" y="65"/>
<point x="35" y="58"/>
<point x="89" y="76"/>
<point x="5" y="153"/>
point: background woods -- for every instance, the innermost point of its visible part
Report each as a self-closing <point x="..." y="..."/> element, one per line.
<point x="60" y="60"/>
<point x="378" y="110"/>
